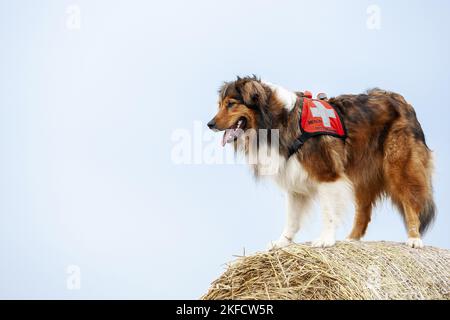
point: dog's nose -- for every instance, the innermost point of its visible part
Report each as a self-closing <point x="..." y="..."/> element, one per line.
<point x="212" y="124"/>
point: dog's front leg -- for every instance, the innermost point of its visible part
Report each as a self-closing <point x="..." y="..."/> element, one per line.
<point x="332" y="197"/>
<point x="297" y="208"/>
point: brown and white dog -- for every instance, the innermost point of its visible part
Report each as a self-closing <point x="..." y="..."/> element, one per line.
<point x="384" y="154"/>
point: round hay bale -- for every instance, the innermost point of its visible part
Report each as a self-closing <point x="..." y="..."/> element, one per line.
<point x="349" y="270"/>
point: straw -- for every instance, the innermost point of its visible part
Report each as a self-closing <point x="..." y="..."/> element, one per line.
<point x="349" y="270"/>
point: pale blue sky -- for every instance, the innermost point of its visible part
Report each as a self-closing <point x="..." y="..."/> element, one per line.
<point x="86" y="118"/>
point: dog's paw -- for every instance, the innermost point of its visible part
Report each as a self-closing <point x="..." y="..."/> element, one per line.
<point x="415" y="243"/>
<point x="280" y="243"/>
<point x="324" y="242"/>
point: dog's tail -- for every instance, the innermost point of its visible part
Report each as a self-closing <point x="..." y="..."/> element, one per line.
<point x="427" y="211"/>
<point x="427" y="215"/>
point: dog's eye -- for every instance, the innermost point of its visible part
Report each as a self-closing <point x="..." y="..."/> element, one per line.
<point x="230" y="104"/>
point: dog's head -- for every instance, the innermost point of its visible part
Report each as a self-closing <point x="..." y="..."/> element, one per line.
<point x="243" y="105"/>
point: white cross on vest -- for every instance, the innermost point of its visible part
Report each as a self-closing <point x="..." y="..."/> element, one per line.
<point x="321" y="112"/>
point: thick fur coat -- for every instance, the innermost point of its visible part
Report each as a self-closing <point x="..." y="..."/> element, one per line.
<point x="384" y="155"/>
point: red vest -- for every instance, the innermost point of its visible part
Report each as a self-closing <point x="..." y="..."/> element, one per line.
<point x="317" y="117"/>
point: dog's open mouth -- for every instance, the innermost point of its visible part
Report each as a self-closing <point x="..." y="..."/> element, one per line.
<point x="235" y="131"/>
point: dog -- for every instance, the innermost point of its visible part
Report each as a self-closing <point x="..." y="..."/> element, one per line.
<point x="382" y="154"/>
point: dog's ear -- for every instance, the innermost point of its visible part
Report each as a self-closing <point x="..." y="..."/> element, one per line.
<point x="254" y="94"/>
<point x="256" y="97"/>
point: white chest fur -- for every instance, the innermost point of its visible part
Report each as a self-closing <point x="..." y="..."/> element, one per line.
<point x="292" y="177"/>
<point x="288" y="174"/>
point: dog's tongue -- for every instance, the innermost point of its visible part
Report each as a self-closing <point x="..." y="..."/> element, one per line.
<point x="232" y="133"/>
<point x="228" y="136"/>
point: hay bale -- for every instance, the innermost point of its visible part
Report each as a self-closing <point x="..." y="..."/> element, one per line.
<point x="357" y="270"/>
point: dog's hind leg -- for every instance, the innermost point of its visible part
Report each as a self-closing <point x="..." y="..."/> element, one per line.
<point x="412" y="222"/>
<point x="408" y="167"/>
<point x="298" y="206"/>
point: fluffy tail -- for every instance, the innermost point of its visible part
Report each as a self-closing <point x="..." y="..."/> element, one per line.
<point x="427" y="215"/>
